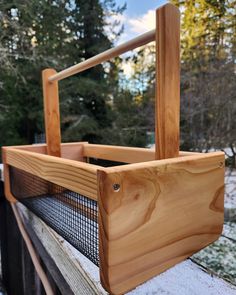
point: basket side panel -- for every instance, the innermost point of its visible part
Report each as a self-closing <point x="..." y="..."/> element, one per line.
<point x="70" y="150"/>
<point x="70" y="214"/>
<point x="76" y="176"/>
<point x="61" y="192"/>
<point x="157" y="216"/>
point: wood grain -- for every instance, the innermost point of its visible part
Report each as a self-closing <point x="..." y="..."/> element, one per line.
<point x="73" y="152"/>
<point x="122" y="153"/>
<point x="163" y="212"/>
<point x="76" y="176"/>
<point x="51" y="114"/>
<point x="70" y="150"/>
<point x="168" y="81"/>
<point x="118" y="153"/>
<point x="78" y="151"/>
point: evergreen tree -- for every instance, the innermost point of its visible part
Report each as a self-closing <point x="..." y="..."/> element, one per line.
<point x="208" y="73"/>
<point x="87" y="24"/>
<point x="134" y="103"/>
<point x="208" y="108"/>
<point x="31" y="43"/>
<point x="57" y="33"/>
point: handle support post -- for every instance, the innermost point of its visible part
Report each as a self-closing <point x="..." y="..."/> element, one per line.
<point x="51" y="114"/>
<point x="167" y="82"/>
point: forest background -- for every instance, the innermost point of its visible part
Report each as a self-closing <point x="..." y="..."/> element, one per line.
<point x="103" y="105"/>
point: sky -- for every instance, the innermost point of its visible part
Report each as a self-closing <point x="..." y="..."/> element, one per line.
<point x="138" y="18"/>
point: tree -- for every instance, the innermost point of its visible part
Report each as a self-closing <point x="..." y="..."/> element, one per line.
<point x="208" y="73"/>
<point x="40" y="34"/>
<point x="208" y="108"/>
<point x="93" y="90"/>
<point x="26" y="37"/>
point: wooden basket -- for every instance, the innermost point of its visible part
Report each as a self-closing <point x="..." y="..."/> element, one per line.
<point x="158" y="208"/>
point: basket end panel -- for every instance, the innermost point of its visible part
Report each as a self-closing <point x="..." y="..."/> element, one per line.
<point x="154" y="217"/>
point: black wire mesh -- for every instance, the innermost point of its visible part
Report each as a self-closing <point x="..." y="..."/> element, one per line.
<point x="70" y="214"/>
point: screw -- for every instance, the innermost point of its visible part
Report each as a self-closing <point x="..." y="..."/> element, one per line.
<point x="116" y="187"/>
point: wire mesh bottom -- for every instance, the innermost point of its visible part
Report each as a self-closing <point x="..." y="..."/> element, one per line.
<point x="70" y="214"/>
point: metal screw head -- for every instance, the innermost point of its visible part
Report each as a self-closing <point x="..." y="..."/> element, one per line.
<point x="116" y="187"/>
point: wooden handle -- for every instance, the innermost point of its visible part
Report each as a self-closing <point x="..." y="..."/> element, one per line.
<point x="104" y="56"/>
<point x="167" y="82"/>
<point x="51" y="114"/>
<point x="167" y="85"/>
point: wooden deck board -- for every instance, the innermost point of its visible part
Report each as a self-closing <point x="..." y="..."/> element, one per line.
<point x="83" y="277"/>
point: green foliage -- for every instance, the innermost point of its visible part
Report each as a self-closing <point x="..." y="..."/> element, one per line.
<point x="219" y="258"/>
<point x="131" y="120"/>
<point x="102" y="104"/>
<point x="40" y="34"/>
<point x="134" y="103"/>
<point x="205" y="29"/>
<point x="208" y="109"/>
<point x="208" y="46"/>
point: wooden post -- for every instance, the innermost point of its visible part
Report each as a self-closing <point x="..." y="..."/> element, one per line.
<point x="167" y="81"/>
<point x="51" y="114"/>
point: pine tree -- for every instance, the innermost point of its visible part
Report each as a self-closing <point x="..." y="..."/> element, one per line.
<point x="57" y="33"/>
<point x="208" y="73"/>
<point x="87" y="25"/>
<point x="30" y="42"/>
<point x="88" y="21"/>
